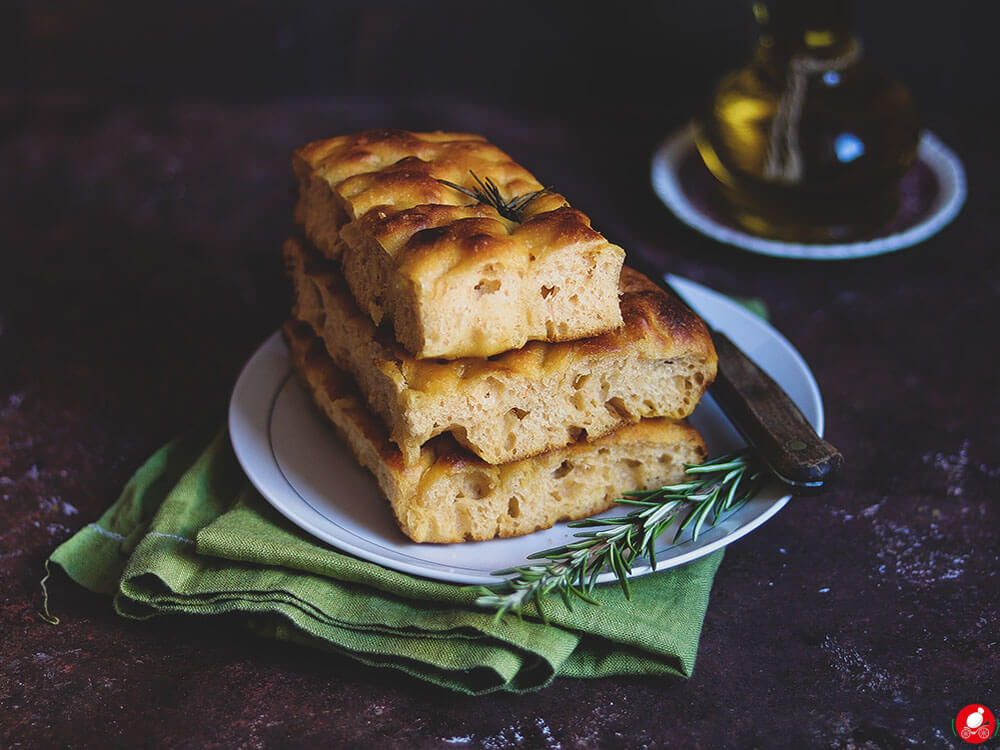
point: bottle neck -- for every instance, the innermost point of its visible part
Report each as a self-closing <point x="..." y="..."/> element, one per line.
<point x="815" y="28"/>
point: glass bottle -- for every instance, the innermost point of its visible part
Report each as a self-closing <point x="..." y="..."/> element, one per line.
<point x="809" y="141"/>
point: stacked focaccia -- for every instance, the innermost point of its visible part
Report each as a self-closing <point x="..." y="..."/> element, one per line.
<point x="487" y="358"/>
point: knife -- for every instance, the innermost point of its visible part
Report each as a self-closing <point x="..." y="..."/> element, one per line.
<point x="764" y="414"/>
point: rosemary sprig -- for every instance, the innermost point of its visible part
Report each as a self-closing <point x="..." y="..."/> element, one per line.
<point x="488" y="193"/>
<point x="715" y="487"/>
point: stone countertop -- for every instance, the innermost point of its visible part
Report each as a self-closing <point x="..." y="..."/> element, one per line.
<point x="141" y="269"/>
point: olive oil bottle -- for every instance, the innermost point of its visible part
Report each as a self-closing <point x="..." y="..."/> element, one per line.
<point x="809" y="141"/>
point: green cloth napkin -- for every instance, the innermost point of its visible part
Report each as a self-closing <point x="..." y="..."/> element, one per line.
<point x="190" y="535"/>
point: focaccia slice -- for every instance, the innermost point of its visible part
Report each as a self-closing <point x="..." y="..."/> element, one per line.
<point x="520" y="403"/>
<point x="450" y="495"/>
<point x="454" y="277"/>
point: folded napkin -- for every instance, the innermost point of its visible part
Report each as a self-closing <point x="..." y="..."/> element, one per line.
<point x="190" y="535"/>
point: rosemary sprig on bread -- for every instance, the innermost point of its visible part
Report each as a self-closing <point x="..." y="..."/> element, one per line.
<point x="615" y="544"/>
<point x="487" y="192"/>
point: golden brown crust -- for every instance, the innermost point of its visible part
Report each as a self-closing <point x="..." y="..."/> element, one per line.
<point x="399" y="168"/>
<point x="655" y="320"/>
<point x="455" y="277"/>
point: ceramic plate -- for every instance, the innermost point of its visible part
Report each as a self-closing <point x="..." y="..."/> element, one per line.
<point x="296" y="461"/>
<point x="931" y="195"/>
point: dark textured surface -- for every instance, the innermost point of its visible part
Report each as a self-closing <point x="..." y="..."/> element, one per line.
<point x="140" y="241"/>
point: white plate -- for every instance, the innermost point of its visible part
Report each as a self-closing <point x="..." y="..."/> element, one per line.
<point x="931" y="196"/>
<point x="293" y="457"/>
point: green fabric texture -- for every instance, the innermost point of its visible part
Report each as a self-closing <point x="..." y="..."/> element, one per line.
<point x="190" y="535"/>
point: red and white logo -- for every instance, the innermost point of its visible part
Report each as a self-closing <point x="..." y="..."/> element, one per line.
<point x="975" y="723"/>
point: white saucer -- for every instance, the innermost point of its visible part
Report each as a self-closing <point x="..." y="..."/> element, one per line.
<point x="294" y="458"/>
<point x="932" y="195"/>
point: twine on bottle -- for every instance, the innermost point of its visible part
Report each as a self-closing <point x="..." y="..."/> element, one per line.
<point x="784" y="157"/>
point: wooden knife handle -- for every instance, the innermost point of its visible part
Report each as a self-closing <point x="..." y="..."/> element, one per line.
<point x="771" y="422"/>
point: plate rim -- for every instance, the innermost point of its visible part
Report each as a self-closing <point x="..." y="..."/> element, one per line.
<point x="941" y="160"/>
<point x="247" y="427"/>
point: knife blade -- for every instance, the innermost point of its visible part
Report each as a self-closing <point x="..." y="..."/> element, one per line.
<point x="765" y="414"/>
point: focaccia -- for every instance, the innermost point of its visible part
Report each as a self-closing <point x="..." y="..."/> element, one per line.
<point x="449" y="495"/>
<point x="521" y="403"/>
<point x="453" y="276"/>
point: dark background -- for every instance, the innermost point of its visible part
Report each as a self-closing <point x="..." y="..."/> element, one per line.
<point x="144" y="150"/>
<point x="594" y="60"/>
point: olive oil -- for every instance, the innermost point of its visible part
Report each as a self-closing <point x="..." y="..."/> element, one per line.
<point x="809" y="141"/>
